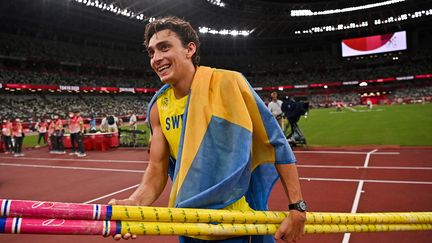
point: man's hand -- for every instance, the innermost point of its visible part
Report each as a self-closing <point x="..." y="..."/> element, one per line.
<point x="292" y="227"/>
<point x="126" y="202"/>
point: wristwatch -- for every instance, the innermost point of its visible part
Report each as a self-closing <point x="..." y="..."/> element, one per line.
<point x="299" y="206"/>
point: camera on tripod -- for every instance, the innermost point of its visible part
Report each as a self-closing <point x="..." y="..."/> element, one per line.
<point x="293" y="110"/>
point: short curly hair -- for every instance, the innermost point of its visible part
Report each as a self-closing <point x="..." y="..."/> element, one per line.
<point x="182" y="28"/>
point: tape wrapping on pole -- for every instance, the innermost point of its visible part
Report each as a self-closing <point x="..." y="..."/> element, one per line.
<point x="99" y="227"/>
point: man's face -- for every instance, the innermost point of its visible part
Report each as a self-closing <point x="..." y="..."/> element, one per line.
<point x="168" y="57"/>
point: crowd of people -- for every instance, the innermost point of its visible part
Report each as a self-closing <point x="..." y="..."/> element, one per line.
<point x="326" y="100"/>
<point x="31" y="106"/>
<point x="43" y="49"/>
<point x="55" y="62"/>
<point x="12" y="136"/>
<point x="16" y="76"/>
<point x="285" y="68"/>
<point x="51" y="131"/>
<point x="412" y="95"/>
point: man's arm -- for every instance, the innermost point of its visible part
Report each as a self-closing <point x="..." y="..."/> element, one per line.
<point x="292" y="228"/>
<point x="156" y="174"/>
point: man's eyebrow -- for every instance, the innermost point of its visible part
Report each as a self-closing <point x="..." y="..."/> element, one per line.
<point x="158" y="45"/>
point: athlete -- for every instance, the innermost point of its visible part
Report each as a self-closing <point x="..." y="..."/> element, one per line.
<point x="173" y="48"/>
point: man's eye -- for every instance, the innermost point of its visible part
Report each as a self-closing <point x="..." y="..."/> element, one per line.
<point x="165" y="48"/>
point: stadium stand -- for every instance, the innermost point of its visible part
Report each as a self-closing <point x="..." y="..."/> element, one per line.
<point x="73" y="54"/>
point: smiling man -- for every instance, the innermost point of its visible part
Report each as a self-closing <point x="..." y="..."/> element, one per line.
<point x="213" y="136"/>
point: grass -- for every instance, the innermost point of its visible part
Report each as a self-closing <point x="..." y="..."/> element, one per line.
<point x="383" y="125"/>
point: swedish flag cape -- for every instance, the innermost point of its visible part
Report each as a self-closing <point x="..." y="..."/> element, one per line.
<point x="229" y="144"/>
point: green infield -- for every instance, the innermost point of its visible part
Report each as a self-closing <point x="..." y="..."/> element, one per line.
<point x="382" y="125"/>
<point x="31" y="141"/>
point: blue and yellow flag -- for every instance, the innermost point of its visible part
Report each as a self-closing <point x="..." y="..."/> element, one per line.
<point x="229" y="144"/>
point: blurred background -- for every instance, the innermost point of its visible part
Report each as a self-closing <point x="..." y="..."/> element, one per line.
<point x="88" y="54"/>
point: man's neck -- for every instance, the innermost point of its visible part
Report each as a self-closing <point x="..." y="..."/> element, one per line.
<point x="182" y="87"/>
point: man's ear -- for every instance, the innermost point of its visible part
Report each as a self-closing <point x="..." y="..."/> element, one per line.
<point x="191" y="49"/>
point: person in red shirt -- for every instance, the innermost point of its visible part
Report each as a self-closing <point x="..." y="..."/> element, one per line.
<point x="41" y="127"/>
<point x="77" y="129"/>
<point x="17" y="133"/>
<point x="7" y="135"/>
<point x="58" y="135"/>
<point x="52" y="142"/>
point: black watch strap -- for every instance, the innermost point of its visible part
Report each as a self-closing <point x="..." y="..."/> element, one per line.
<point x="299" y="206"/>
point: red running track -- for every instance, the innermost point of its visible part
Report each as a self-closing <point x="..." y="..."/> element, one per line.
<point x="355" y="179"/>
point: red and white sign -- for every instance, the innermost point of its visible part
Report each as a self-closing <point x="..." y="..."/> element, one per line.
<point x="374" y="44"/>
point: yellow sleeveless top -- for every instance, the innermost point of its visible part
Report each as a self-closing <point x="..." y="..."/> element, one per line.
<point x="171" y="118"/>
<point x="171" y="112"/>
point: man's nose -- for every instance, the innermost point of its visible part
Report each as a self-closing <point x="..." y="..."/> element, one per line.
<point x="157" y="56"/>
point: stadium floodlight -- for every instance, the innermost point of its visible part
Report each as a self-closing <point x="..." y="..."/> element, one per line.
<point x="391" y="19"/>
<point x="207" y="30"/>
<point x="218" y="3"/>
<point x="404" y="17"/>
<point x="329" y="28"/>
<point x="308" y="12"/>
<point x="111" y="8"/>
<point x="363" y="84"/>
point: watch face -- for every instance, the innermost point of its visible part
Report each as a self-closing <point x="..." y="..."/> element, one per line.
<point x="302" y="206"/>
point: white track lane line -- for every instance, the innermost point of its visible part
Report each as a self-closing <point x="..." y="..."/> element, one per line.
<point x="356" y="202"/>
<point x="71" y="168"/>
<point x="343" y="152"/>
<point x="361" y="167"/>
<point x="300" y="165"/>
<point x="141" y="171"/>
<point x="111" y="194"/>
<point x="366" y="163"/>
<point x="82" y="160"/>
<point x="369" y="181"/>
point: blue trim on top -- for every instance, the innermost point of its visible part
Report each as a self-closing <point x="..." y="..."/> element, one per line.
<point x="2" y="224"/>
<point x="108" y="212"/>
<point x="172" y="168"/>
<point x="152" y="101"/>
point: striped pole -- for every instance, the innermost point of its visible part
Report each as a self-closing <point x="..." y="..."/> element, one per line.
<point x="39" y="209"/>
<point x="35" y="209"/>
<point x="93" y="227"/>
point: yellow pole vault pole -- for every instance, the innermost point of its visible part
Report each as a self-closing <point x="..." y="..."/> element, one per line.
<point x="159" y="214"/>
<point x="203" y="229"/>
